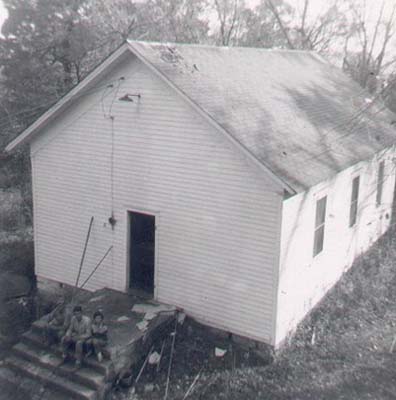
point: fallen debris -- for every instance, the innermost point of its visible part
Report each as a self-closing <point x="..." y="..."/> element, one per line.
<point x="152" y="309"/>
<point x="142" y="325"/>
<point x="149" y="316"/>
<point x="154" y="358"/>
<point x="220" y="352"/>
<point x="181" y="317"/>
<point x="122" y="319"/>
<point x="97" y="298"/>
<point x="149" y="388"/>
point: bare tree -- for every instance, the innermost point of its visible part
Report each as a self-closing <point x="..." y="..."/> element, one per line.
<point x="180" y="21"/>
<point x="264" y="27"/>
<point x="320" y="33"/>
<point x="366" y="52"/>
<point x="282" y="24"/>
<point x="231" y="17"/>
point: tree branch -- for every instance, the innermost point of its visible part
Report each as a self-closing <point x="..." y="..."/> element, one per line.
<point x="279" y="20"/>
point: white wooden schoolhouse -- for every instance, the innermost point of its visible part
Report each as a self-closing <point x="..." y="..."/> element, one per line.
<point x="236" y="183"/>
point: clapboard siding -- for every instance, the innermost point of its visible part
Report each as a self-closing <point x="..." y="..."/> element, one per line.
<point x="305" y="279"/>
<point x="218" y="217"/>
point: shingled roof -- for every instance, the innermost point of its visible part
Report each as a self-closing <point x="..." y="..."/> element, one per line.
<point x="292" y="111"/>
<point x="297" y="114"/>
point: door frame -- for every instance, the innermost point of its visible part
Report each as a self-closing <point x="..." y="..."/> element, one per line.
<point x="156" y="216"/>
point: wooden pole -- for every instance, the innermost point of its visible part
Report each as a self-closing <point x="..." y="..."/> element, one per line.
<point x="162" y="351"/>
<point x="144" y="365"/>
<point x="97" y="266"/>
<point x="170" y="360"/>
<point x="392" y="345"/>
<point x="190" y="389"/>
<point x="84" y="251"/>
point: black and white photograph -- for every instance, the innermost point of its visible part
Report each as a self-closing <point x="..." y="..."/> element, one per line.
<point x="197" y="199"/>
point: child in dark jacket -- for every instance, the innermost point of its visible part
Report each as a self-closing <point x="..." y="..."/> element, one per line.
<point x="99" y="339"/>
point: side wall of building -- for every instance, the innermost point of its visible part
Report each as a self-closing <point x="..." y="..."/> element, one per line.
<point x="217" y="216"/>
<point x="304" y="278"/>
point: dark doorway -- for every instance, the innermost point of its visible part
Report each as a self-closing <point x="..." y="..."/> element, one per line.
<point x="141" y="252"/>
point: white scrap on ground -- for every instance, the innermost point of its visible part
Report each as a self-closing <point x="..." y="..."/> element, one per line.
<point x="149" y="316"/>
<point x="142" y="325"/>
<point x="220" y="352"/>
<point x="152" y="309"/>
<point x="97" y="298"/>
<point x="181" y="317"/>
<point x="154" y="358"/>
<point x="122" y="319"/>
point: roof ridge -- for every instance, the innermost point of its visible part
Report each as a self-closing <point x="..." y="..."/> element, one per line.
<point x="222" y="48"/>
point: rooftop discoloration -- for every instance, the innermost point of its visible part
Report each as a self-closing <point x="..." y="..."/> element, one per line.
<point x="302" y="118"/>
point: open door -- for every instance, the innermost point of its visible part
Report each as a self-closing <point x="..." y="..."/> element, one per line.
<point x="141" y="252"/>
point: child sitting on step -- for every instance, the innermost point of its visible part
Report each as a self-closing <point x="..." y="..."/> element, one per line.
<point x="99" y="339"/>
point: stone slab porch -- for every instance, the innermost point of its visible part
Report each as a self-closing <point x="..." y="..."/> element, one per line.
<point x="134" y="324"/>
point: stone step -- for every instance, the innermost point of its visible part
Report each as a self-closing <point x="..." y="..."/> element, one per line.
<point x="38" y="326"/>
<point x="35" y="338"/>
<point x="53" y="362"/>
<point x="14" y="386"/>
<point x="50" y="379"/>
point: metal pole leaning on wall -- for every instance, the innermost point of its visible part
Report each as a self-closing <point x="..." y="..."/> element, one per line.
<point x="97" y="266"/>
<point x="84" y="251"/>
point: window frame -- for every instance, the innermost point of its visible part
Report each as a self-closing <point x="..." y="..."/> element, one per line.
<point x="320" y="223"/>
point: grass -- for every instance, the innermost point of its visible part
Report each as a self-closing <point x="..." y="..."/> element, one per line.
<point x="340" y="351"/>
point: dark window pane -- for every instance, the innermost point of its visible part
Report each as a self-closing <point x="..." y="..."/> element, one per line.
<point x="319" y="239"/>
<point x="354" y="201"/>
<point x="319" y="225"/>
<point x="355" y="188"/>
<point x="353" y="213"/>
<point x="380" y="180"/>
<point x="320" y="211"/>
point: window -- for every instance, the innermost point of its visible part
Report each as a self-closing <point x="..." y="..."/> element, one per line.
<point x="380" y="181"/>
<point x="354" y="201"/>
<point x="319" y="225"/>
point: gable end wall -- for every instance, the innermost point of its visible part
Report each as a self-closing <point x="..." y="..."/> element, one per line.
<point x="218" y="218"/>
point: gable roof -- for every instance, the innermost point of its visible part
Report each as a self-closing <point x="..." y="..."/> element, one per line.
<point x="298" y="116"/>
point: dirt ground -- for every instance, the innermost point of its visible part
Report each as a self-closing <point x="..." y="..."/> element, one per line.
<point x="341" y="350"/>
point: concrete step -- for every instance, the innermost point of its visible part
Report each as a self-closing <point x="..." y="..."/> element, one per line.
<point x="38" y="326"/>
<point x="14" y="386"/>
<point x="47" y="359"/>
<point x="50" y="379"/>
<point x="35" y="338"/>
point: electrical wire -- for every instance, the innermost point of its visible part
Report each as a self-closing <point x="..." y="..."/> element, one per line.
<point x="337" y="141"/>
<point x="94" y="104"/>
<point x="51" y="103"/>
